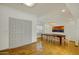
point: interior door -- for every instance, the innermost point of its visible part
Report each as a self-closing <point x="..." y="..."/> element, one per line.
<point x="20" y="32"/>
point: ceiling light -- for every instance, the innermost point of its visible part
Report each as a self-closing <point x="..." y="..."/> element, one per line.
<point x="29" y="4"/>
<point x="63" y="10"/>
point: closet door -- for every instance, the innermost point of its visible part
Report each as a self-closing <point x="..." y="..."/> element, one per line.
<point x="20" y="32"/>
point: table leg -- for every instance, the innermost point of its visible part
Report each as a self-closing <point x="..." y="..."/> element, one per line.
<point x="60" y="40"/>
<point x="41" y="37"/>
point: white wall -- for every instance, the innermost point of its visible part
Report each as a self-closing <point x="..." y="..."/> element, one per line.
<point x="70" y="30"/>
<point x="77" y="32"/>
<point x="5" y="13"/>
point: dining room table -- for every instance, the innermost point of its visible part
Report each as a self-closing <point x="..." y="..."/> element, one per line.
<point x="60" y="36"/>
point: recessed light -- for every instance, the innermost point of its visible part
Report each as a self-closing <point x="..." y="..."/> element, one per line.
<point x="63" y="10"/>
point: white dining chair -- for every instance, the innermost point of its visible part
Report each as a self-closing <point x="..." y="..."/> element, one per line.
<point x="56" y="40"/>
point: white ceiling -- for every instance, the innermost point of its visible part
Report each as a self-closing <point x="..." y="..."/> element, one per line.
<point x="47" y="11"/>
<point x="38" y="9"/>
<point x="74" y="9"/>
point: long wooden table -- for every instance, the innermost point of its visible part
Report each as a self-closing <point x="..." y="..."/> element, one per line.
<point x="55" y="35"/>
